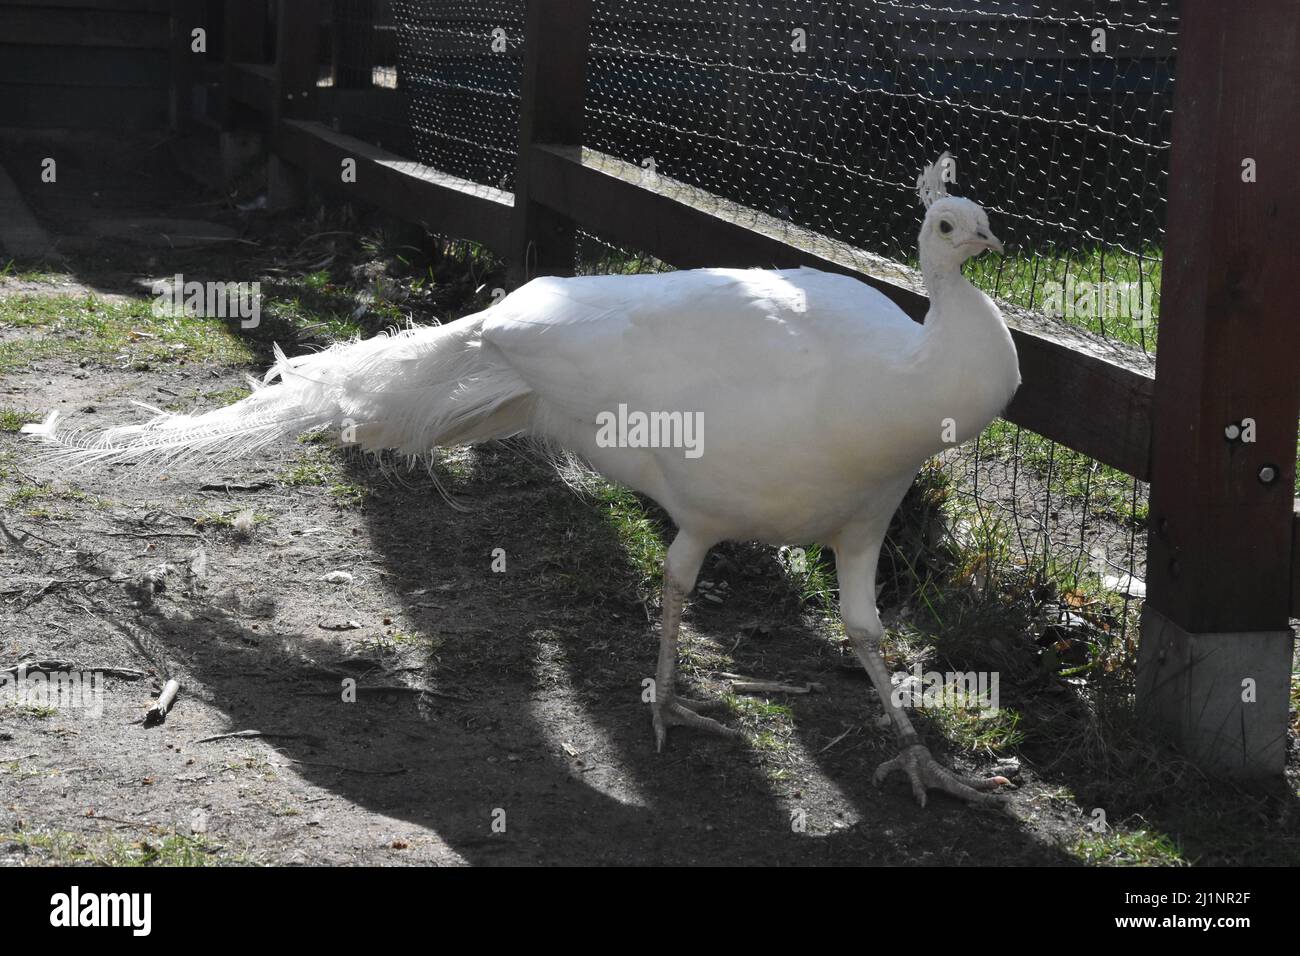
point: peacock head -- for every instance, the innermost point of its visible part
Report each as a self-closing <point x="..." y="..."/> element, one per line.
<point x="954" y="228"/>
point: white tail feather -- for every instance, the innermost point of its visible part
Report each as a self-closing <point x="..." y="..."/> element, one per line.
<point x="410" y="391"/>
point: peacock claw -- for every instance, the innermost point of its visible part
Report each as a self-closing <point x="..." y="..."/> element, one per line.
<point x="683" y="712"/>
<point x="925" y="773"/>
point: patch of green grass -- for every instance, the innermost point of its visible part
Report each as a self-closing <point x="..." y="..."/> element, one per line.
<point x="314" y="302"/>
<point x="769" y="724"/>
<point x="769" y="741"/>
<point x="126" y="334"/>
<point x="758" y="708"/>
<point x="318" y="281"/>
<point x="1025" y="280"/>
<point x="11" y="270"/>
<point x="308" y="472"/>
<point x="695" y="657"/>
<point x="813" y="575"/>
<point x="389" y="642"/>
<point x="227" y="396"/>
<point x="400" y="637"/>
<point x="31" y="500"/>
<point x="39" y="711"/>
<point x="1128" y="848"/>
<point x="169" y="849"/>
<point x="15" y="768"/>
<point x="320" y="468"/>
<point x="1108" y="491"/>
<point x="976" y="730"/>
<point x="11" y="420"/>
<point x="226" y="519"/>
<point x="197" y="400"/>
<point x="326" y="313"/>
<point x="639" y="533"/>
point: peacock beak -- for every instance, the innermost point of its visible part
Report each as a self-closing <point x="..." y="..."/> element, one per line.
<point x="990" y="241"/>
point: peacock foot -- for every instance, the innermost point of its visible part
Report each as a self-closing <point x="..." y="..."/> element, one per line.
<point x="926" y="774"/>
<point x="682" y="712"/>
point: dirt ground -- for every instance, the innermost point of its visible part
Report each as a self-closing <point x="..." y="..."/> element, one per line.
<point x="510" y="695"/>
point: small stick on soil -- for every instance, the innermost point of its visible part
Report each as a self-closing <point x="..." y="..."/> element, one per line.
<point x="837" y="740"/>
<point x="45" y="666"/>
<point x="772" y="687"/>
<point x="242" y="734"/>
<point x="151" y="534"/>
<point x="157" y="711"/>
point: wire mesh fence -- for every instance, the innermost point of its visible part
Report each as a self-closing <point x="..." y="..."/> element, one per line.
<point x="460" y="64"/>
<point x="818" y="114"/>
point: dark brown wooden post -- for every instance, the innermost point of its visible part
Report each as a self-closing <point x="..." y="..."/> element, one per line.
<point x="1215" y="658"/>
<point x="243" y="40"/>
<point x="297" y="68"/>
<point x="556" y="35"/>
<point x="297" y="59"/>
<point x="187" y="15"/>
<point x="352" y="44"/>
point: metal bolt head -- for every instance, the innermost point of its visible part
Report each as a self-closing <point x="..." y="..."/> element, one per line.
<point x="1232" y="431"/>
<point x="1268" y="474"/>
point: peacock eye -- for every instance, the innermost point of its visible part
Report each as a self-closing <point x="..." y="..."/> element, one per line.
<point x="945" y="226"/>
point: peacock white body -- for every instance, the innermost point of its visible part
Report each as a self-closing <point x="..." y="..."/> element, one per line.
<point x="810" y="398"/>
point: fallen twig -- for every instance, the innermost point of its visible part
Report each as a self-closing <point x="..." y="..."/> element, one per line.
<point x="837" y="740"/>
<point x="46" y="666"/>
<point x="230" y="486"/>
<point x="772" y="687"/>
<point x="246" y="734"/>
<point x="152" y="534"/>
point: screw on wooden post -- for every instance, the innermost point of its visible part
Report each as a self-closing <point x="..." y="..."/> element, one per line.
<point x="1215" y="658"/>
<point x="556" y="35"/>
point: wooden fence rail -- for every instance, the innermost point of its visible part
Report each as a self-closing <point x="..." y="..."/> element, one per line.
<point x="1228" y="350"/>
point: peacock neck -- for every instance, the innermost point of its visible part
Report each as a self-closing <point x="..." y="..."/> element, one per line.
<point x="967" y="351"/>
<point x="959" y="313"/>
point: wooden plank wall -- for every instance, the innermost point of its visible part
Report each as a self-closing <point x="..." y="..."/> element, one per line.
<point x="85" y="64"/>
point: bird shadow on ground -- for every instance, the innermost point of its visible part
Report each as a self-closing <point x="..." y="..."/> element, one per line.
<point x="546" y="753"/>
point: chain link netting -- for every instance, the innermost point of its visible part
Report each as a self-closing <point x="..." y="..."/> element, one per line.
<point x="460" y="63"/>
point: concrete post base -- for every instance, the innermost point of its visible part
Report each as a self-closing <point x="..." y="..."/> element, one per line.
<point x="1223" y="699"/>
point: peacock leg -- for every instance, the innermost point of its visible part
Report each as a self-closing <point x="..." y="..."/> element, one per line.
<point x="856" y="569"/>
<point x="669" y="710"/>
<point x="915" y="760"/>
